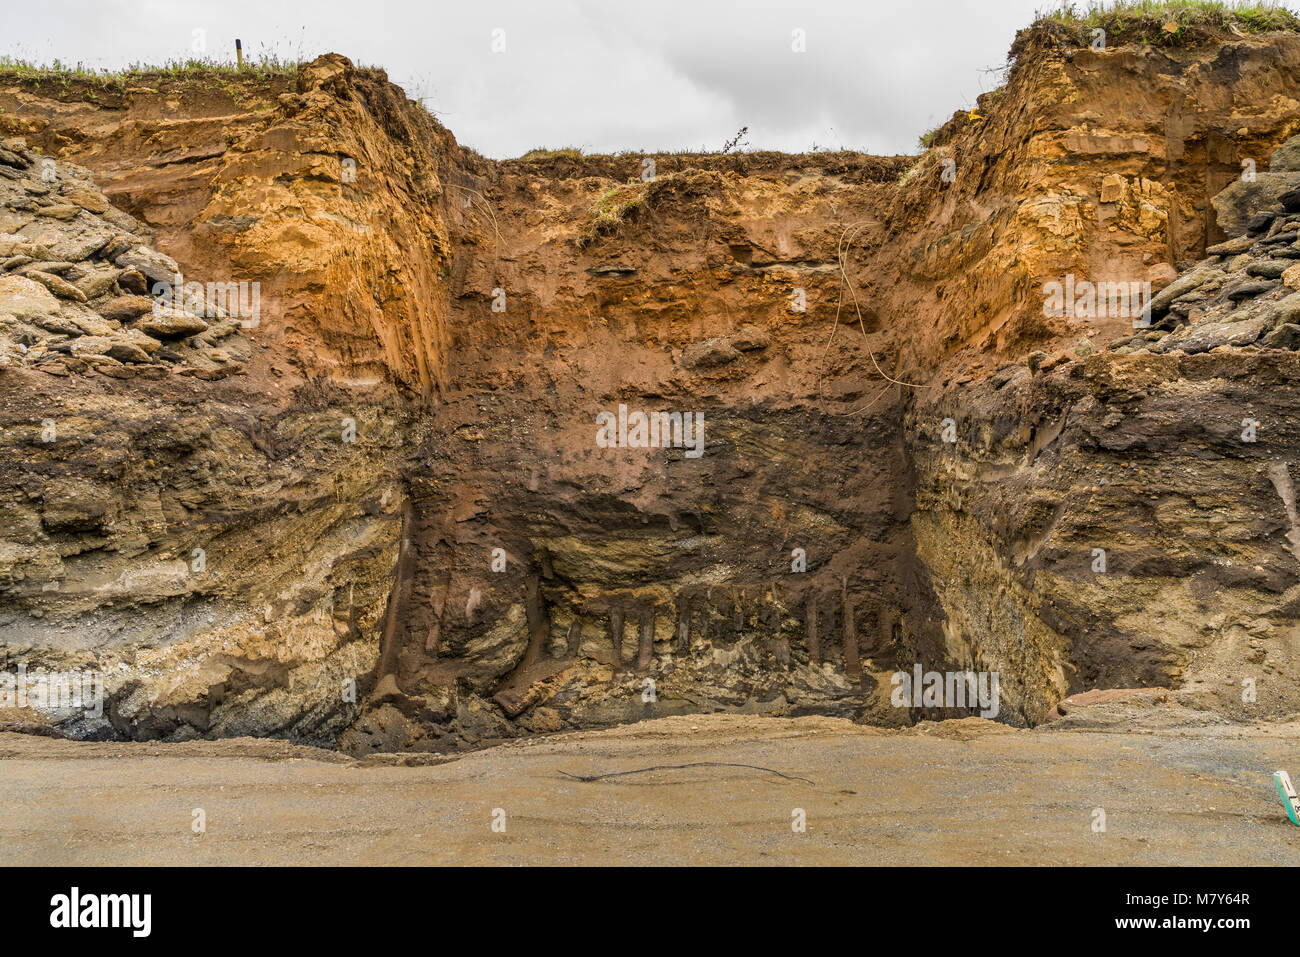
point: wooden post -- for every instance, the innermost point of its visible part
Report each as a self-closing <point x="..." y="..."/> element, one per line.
<point x="239" y="54"/>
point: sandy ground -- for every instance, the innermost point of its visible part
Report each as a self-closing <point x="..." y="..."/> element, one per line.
<point x="961" y="792"/>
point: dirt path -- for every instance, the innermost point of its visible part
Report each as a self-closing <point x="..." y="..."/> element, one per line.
<point x="966" y="792"/>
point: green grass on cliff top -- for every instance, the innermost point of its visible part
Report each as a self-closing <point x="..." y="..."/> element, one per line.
<point x="58" y="71"/>
<point x="1259" y="17"/>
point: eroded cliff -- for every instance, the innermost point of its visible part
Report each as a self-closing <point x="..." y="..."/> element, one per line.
<point x="414" y="530"/>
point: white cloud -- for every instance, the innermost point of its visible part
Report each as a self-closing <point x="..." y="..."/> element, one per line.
<point x="601" y="74"/>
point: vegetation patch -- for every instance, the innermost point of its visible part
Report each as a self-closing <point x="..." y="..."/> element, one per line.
<point x="926" y="140"/>
<point x="64" y="74"/>
<point x="621" y="203"/>
<point x="1167" y="23"/>
<point x="542" y="155"/>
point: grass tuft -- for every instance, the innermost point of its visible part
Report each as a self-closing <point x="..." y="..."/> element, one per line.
<point x="542" y="154"/>
<point x="1165" y="22"/>
<point x="266" y="67"/>
<point x="619" y="204"/>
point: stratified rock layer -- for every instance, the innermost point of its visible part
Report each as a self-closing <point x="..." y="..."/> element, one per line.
<point x="403" y="525"/>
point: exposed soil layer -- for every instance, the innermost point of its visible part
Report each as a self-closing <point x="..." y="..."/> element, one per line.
<point x="416" y="538"/>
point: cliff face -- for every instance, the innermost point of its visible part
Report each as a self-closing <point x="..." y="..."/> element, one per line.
<point x="193" y="507"/>
<point x="1100" y="164"/>
<point x="1114" y="520"/>
<point x="636" y="581"/>
<point x="422" y="472"/>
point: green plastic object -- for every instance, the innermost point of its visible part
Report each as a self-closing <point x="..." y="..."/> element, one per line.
<point x="1288" y="795"/>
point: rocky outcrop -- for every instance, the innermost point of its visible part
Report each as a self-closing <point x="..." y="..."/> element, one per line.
<point x="74" y="270"/>
<point x="1099" y="164"/>
<point x="219" y="561"/>
<point x="1119" y="522"/>
<point x="564" y="441"/>
<point x="1248" y="290"/>
<point x="1127" y="522"/>
<point x="221" y="570"/>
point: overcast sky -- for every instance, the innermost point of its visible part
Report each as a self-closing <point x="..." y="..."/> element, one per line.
<point x="602" y="75"/>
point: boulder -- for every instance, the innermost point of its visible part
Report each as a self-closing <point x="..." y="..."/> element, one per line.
<point x="1285" y="336"/>
<point x="1180" y="287"/>
<point x="88" y="346"/>
<point x="57" y="268"/>
<point x="1161" y="275"/>
<point x="1286" y="309"/>
<point x="118" y="244"/>
<point x="708" y="354"/>
<point x="1286" y="158"/>
<point x="132" y="280"/>
<point x="1267" y="268"/>
<point x="64" y="212"/>
<point x="125" y="308"/>
<point x="12" y="245"/>
<point x="73" y="242"/>
<point x="1260" y="222"/>
<point x="25" y="298"/>
<point x="1291" y="276"/>
<point x="87" y="322"/>
<point x="127" y="352"/>
<point x="1244" y="200"/>
<point x="750" y="338"/>
<point x="88" y="199"/>
<point x="1231" y="247"/>
<point x="57" y="285"/>
<point x="1037" y="359"/>
<point x="1247" y="289"/>
<point x="220" y="330"/>
<point x="141" y="340"/>
<point x="98" y="282"/>
<point x="169" y="323"/>
<point x="59" y="325"/>
<point x="34" y="251"/>
<point x="1183" y="306"/>
<point x="153" y="265"/>
<point x="1211" y="335"/>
